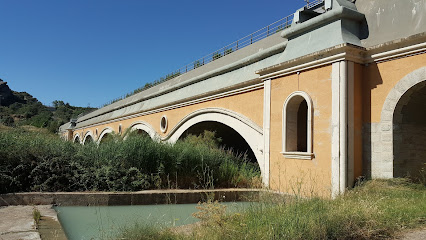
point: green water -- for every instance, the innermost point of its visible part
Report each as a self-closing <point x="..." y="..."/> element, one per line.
<point x="103" y="222"/>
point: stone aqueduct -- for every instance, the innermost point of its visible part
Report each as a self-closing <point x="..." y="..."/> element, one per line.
<point x="339" y="94"/>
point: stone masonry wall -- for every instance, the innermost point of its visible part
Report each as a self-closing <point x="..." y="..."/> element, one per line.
<point x="409" y="149"/>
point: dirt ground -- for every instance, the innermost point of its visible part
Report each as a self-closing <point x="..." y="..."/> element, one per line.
<point x="416" y="234"/>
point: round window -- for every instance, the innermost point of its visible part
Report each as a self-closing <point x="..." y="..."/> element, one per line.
<point x="163" y="124"/>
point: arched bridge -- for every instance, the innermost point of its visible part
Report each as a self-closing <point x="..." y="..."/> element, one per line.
<point x="318" y="99"/>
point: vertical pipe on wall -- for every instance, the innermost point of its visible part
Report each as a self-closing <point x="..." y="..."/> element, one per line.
<point x="343" y="124"/>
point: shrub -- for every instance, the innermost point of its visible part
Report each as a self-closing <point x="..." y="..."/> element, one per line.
<point x="38" y="161"/>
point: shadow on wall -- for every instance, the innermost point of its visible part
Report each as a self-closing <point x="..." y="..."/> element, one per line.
<point x="370" y="78"/>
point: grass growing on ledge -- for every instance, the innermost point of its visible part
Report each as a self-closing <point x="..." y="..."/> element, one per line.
<point x="36" y="216"/>
<point x="376" y="210"/>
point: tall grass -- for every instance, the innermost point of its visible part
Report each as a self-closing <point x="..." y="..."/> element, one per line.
<point x="376" y="210"/>
<point x="36" y="161"/>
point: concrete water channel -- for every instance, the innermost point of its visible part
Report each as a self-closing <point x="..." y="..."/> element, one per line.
<point x="105" y="222"/>
<point x="102" y="215"/>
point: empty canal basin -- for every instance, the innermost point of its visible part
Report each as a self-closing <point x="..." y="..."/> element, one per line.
<point x="104" y="222"/>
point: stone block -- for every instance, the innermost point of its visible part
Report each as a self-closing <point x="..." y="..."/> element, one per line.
<point x="386" y="137"/>
<point x="386" y="127"/>
<point x="376" y="157"/>
<point x="387" y="157"/>
<point x="375" y="127"/>
<point x="375" y="137"/>
<point x="387" y="147"/>
<point x="377" y="147"/>
<point x="387" y="116"/>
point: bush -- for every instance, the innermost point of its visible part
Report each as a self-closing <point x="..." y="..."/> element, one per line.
<point x="37" y="161"/>
<point x="377" y="209"/>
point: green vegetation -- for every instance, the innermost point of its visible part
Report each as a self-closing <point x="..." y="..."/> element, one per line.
<point x="36" y="161"/>
<point x="20" y="108"/>
<point x="36" y="216"/>
<point x="375" y="210"/>
<point x="216" y="55"/>
<point x="228" y="51"/>
<point x="197" y="64"/>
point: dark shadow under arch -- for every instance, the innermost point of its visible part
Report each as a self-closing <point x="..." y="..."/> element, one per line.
<point x="88" y="140"/>
<point x="107" y="137"/>
<point x="409" y="133"/>
<point x="141" y="132"/>
<point x="231" y="139"/>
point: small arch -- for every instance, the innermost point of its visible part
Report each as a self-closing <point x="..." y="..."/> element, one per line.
<point x="105" y="134"/>
<point x="77" y="138"/>
<point x="297" y="126"/>
<point x="88" y="138"/>
<point x="144" y="127"/>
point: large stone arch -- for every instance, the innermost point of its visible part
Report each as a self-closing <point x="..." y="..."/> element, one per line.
<point x="104" y="132"/>
<point x="146" y="127"/>
<point x="250" y="131"/>
<point x="382" y="164"/>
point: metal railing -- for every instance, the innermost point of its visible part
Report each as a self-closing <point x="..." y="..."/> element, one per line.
<point x="239" y="44"/>
<point x="228" y="49"/>
<point x="314" y="3"/>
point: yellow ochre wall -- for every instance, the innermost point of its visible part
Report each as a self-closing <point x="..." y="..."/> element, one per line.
<point x="379" y="79"/>
<point x="296" y="175"/>
<point x="249" y="104"/>
<point x="372" y="84"/>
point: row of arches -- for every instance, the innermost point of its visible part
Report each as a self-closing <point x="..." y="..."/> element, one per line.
<point x="106" y="134"/>
<point x="403" y="110"/>
<point x="237" y="132"/>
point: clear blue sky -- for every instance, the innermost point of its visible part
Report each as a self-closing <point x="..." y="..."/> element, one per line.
<point x="87" y="52"/>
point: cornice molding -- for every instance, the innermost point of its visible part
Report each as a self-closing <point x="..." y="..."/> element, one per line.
<point x="389" y="51"/>
<point x="325" y="57"/>
<point x="250" y="88"/>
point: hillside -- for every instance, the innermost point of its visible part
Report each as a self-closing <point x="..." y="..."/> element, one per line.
<point x="21" y="108"/>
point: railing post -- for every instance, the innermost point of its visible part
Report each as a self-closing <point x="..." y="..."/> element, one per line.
<point x="268" y="32"/>
<point x="237" y="44"/>
<point x="251" y="39"/>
